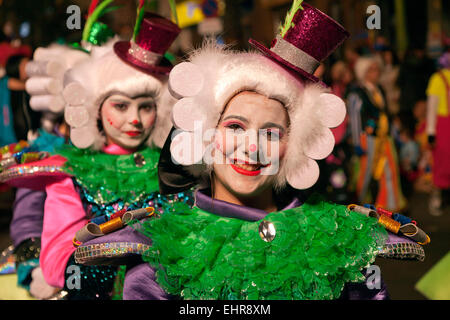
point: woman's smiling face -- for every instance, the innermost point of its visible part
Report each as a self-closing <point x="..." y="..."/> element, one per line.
<point x="251" y="140"/>
<point x="128" y="121"/>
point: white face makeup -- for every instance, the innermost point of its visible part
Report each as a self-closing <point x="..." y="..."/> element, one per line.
<point x="128" y="121"/>
<point x="251" y="141"/>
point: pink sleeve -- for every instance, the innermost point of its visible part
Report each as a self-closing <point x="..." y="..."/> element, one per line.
<point x="63" y="217"/>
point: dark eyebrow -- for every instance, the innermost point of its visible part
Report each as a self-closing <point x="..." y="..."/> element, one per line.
<point x="118" y="100"/>
<point x="149" y="102"/>
<point x="236" y="117"/>
<point x="150" y="94"/>
<point x="147" y="99"/>
<point x="271" y="124"/>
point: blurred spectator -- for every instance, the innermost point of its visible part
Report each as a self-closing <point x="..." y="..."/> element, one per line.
<point x="409" y="151"/>
<point x="7" y="134"/>
<point x="438" y="131"/>
<point x="26" y="121"/>
<point x="377" y="173"/>
<point x="388" y="79"/>
<point x="8" y="49"/>
<point x="341" y="77"/>
<point x="423" y="181"/>
<point x="409" y="159"/>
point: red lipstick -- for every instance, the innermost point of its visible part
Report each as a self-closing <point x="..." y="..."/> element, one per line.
<point x="245" y="172"/>
<point x="133" y="133"/>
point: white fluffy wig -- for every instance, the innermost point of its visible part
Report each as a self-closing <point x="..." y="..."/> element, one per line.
<point x="88" y="85"/>
<point x="213" y="75"/>
<point x="363" y="64"/>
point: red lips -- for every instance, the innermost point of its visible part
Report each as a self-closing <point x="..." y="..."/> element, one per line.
<point x="133" y="133"/>
<point x="245" y="172"/>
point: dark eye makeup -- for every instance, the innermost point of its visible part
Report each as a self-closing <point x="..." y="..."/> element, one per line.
<point x="120" y="106"/>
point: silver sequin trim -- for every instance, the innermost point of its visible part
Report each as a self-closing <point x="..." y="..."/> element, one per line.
<point x="294" y="55"/>
<point x="143" y="55"/>
<point x="24" y="171"/>
<point x="88" y="253"/>
<point x="406" y="251"/>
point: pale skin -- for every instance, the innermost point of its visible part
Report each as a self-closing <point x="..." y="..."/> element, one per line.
<point x="128" y="121"/>
<point x="373" y="74"/>
<point x="234" y="181"/>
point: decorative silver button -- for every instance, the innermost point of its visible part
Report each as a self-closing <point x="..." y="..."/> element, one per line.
<point x="139" y="160"/>
<point x="267" y="231"/>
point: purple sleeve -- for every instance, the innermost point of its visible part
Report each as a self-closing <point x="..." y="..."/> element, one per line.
<point x="140" y="284"/>
<point x="28" y="215"/>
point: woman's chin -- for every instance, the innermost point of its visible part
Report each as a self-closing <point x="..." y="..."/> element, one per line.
<point x="131" y="143"/>
<point x="247" y="186"/>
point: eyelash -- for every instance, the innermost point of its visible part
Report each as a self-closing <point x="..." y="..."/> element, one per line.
<point x="123" y="107"/>
<point x="147" y="107"/>
<point x="120" y="106"/>
<point x="234" y="125"/>
<point x="277" y="135"/>
<point x="271" y="134"/>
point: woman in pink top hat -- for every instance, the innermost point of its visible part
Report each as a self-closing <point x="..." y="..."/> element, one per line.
<point x="249" y="128"/>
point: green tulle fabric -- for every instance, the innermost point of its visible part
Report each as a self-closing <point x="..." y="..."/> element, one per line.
<point x="318" y="248"/>
<point x="117" y="293"/>
<point x="110" y="177"/>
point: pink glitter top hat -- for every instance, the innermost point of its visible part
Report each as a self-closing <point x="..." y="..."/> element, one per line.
<point x="310" y="38"/>
<point x="146" y="52"/>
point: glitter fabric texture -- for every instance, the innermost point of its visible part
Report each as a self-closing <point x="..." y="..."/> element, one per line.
<point x="402" y="251"/>
<point x="108" y="250"/>
<point x="95" y="282"/>
<point x="315" y="33"/>
<point x="311" y="32"/>
<point x="143" y="55"/>
<point x="28" y="170"/>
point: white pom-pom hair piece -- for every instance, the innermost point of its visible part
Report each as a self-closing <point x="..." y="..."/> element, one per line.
<point x="82" y="137"/>
<point x="185" y="80"/>
<point x="76" y="117"/>
<point x="186" y="114"/>
<point x="306" y="175"/>
<point x="331" y="110"/>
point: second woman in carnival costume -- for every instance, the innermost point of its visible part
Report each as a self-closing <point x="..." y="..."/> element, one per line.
<point x="118" y="108"/>
<point x="250" y="128"/>
<point x="45" y="83"/>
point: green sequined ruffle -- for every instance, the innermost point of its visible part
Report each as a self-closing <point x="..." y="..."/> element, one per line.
<point x="317" y="249"/>
<point x="110" y="177"/>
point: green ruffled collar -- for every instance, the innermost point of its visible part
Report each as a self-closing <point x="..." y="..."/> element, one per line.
<point x="317" y="249"/>
<point x="108" y="177"/>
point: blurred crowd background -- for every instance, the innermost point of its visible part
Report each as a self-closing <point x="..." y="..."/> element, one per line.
<point x="398" y="61"/>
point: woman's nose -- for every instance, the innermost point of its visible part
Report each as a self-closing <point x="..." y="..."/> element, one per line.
<point x="251" y="146"/>
<point x="133" y="116"/>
